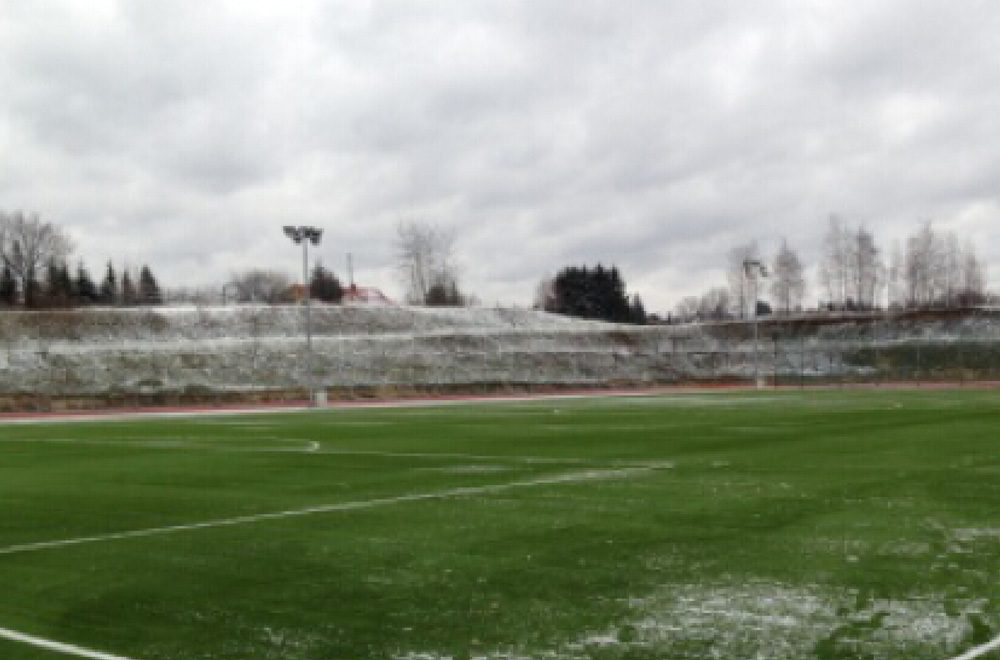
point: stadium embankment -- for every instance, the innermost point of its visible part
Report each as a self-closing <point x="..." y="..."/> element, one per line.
<point x="150" y="356"/>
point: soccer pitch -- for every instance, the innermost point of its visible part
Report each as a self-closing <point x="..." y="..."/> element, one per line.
<point x="824" y="524"/>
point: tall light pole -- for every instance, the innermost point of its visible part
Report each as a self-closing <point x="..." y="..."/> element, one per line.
<point x="751" y="269"/>
<point x="304" y="235"/>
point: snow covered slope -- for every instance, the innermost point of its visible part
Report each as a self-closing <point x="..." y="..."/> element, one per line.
<point x="245" y="349"/>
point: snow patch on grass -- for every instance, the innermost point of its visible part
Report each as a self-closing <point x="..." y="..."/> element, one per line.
<point x="762" y="621"/>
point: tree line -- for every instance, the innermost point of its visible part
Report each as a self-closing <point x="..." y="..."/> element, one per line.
<point x="930" y="269"/>
<point x="35" y="273"/>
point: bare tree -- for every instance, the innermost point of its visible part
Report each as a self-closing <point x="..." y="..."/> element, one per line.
<point x="894" y="277"/>
<point x="736" y="274"/>
<point x="973" y="277"/>
<point x="425" y="254"/>
<point x="922" y="267"/>
<point x="262" y="286"/>
<point x="715" y="304"/>
<point x="26" y="245"/>
<point x="545" y="294"/>
<point x="951" y="268"/>
<point x="864" y="269"/>
<point x="687" y="309"/>
<point x="788" y="284"/>
<point x="833" y="266"/>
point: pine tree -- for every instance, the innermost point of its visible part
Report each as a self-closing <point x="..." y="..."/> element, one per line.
<point x="149" y="290"/>
<point x="85" y="290"/>
<point x="637" y="311"/>
<point x="8" y="287"/>
<point x="593" y="293"/>
<point x="129" y="296"/>
<point x="109" y="287"/>
<point x="58" y="290"/>
<point x="324" y="285"/>
<point x="64" y="285"/>
<point x="32" y="293"/>
<point x="51" y="294"/>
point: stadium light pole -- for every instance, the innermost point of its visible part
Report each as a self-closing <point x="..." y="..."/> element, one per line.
<point x="751" y="269"/>
<point x="304" y="235"/>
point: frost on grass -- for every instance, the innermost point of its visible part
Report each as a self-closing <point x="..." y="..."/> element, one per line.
<point x="762" y="621"/>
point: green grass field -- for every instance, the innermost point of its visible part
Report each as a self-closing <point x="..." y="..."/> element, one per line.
<point x="827" y="524"/>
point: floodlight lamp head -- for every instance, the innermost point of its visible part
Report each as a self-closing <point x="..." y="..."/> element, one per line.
<point x="314" y="234"/>
<point x="293" y="233"/>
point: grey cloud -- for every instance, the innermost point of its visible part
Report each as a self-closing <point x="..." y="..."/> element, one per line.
<point x="653" y="135"/>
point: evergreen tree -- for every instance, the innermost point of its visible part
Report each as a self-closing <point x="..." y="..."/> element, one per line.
<point x="58" y="285"/>
<point x="637" y="311"/>
<point x="324" y="285"/>
<point x="85" y="290"/>
<point x="51" y="295"/>
<point x="593" y="293"/>
<point x="8" y="287"/>
<point x="129" y="295"/>
<point x="444" y="294"/>
<point x="32" y="292"/>
<point x="149" y="290"/>
<point x="109" y="287"/>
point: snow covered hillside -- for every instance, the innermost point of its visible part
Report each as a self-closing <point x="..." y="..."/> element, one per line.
<point x="242" y="350"/>
<point x="247" y="348"/>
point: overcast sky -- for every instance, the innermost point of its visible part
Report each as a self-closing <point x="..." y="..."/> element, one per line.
<point x="652" y="135"/>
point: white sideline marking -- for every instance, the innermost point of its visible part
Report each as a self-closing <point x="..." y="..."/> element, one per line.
<point x="568" y="477"/>
<point x="309" y="446"/>
<point x="979" y="651"/>
<point x="58" y="647"/>
<point x="110" y="416"/>
<point x="314" y="447"/>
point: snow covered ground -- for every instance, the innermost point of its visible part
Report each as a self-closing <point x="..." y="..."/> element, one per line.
<point x="246" y="348"/>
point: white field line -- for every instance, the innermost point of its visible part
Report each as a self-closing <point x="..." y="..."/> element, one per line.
<point x="979" y="651"/>
<point x="314" y="447"/>
<point x="61" y="418"/>
<point x="58" y="647"/>
<point x="308" y="446"/>
<point x="569" y="477"/>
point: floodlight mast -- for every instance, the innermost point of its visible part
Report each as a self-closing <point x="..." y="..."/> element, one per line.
<point x="304" y="235"/>
<point x="751" y="269"/>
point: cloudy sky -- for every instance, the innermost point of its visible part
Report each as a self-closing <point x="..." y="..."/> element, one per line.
<point x="653" y="135"/>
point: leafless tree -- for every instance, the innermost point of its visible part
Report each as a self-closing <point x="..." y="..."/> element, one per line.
<point x="426" y="259"/>
<point x="687" y="308"/>
<point x="262" y="286"/>
<point x="788" y="284"/>
<point x="716" y="303"/>
<point x="951" y="268"/>
<point x="894" y="277"/>
<point x="27" y="244"/>
<point x="545" y="294"/>
<point x="741" y="289"/>
<point x="973" y="277"/>
<point x="922" y="268"/>
<point x="833" y="266"/>
<point x="865" y="270"/>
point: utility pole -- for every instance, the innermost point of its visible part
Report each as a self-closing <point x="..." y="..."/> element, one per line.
<point x="304" y="235"/>
<point x="751" y="269"/>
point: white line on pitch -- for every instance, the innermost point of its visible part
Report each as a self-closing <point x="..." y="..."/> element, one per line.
<point x="314" y="447"/>
<point x="569" y="477"/>
<point x="979" y="651"/>
<point x="58" y="647"/>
